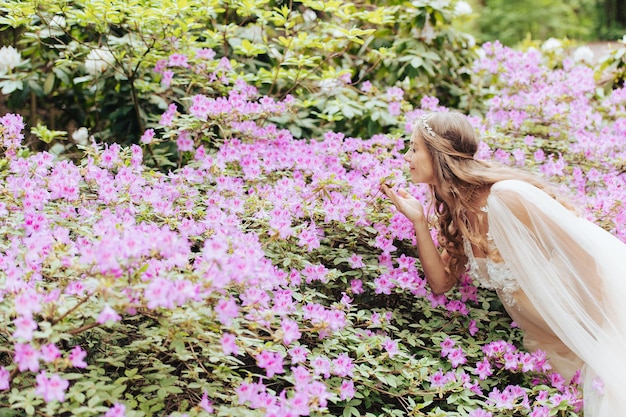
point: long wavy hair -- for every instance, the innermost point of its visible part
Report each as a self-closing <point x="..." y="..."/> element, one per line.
<point x="460" y="181"/>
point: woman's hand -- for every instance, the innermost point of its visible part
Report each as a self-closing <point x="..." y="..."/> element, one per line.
<point x="405" y="203"/>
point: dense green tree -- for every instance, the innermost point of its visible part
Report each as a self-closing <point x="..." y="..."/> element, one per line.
<point x="511" y="21"/>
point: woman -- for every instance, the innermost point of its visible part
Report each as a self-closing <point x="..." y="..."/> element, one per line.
<point x="560" y="277"/>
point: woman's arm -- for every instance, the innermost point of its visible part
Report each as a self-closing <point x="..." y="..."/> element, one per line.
<point x="433" y="263"/>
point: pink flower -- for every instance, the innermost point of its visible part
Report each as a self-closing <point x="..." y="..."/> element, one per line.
<point x="177" y="60"/>
<point x="356" y="261"/>
<point x="342" y="365"/>
<point x="479" y="412"/>
<point x="298" y="405"/>
<point x="457" y="357"/>
<point x="483" y="369"/>
<point x="301" y="375"/>
<point x="229" y="344"/>
<point x="356" y="285"/>
<point x="26" y="357"/>
<point x="205" y="404"/>
<point x="321" y="366"/>
<point x="50" y="353"/>
<point x="290" y="331"/>
<point x="446" y="346"/>
<point x="118" y="410"/>
<point x="4" y="379"/>
<point x="346" y="391"/>
<point x="298" y="354"/>
<point x="24" y="327"/>
<point x="52" y="388"/>
<point x="184" y="142"/>
<point x="168" y="115"/>
<point x="77" y="356"/>
<point x="166" y="80"/>
<point x="108" y="314"/>
<point x="472" y="328"/>
<point x="272" y="362"/>
<point x="147" y="136"/>
<point x="598" y="385"/>
<point x="226" y="310"/>
<point x="391" y="346"/>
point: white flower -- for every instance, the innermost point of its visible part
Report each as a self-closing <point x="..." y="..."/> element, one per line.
<point x="58" y="22"/>
<point x="552" y="45"/>
<point x="80" y="135"/>
<point x="584" y="54"/>
<point x="98" y="61"/>
<point x="309" y="15"/>
<point x="328" y="85"/>
<point x="462" y="8"/>
<point x="427" y="33"/>
<point x="9" y="59"/>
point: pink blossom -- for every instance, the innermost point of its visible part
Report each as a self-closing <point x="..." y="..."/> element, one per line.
<point x="52" y="388"/>
<point x="318" y="394"/>
<point x="24" y="327"/>
<point x="290" y="331"/>
<point x="205" y="53"/>
<point x="457" y="357"/>
<point x="147" y="136"/>
<point x="77" y="356"/>
<point x="356" y="285"/>
<point x="356" y="261"/>
<point x="184" y="142"/>
<point x="272" y="362"/>
<point x="301" y="375"/>
<point x="229" y="344"/>
<point x="321" y="366"/>
<point x="299" y="404"/>
<point x="446" y="346"/>
<point x="298" y="354"/>
<point x="4" y="378"/>
<point x="346" y="391"/>
<point x="342" y="365"/>
<point x="50" y="353"/>
<point x="391" y="347"/>
<point x="118" y="410"/>
<point x="205" y="404"/>
<point x="479" y="412"/>
<point x="177" y="60"/>
<point x="108" y="315"/>
<point x="167" y="116"/>
<point x="26" y="357"/>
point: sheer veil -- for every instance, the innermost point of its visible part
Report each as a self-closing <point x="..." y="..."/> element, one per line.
<point x="574" y="274"/>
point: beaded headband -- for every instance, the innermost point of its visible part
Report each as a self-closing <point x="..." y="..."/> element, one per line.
<point x="426" y="126"/>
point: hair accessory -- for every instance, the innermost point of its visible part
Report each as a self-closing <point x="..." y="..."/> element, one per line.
<point x="426" y="126"/>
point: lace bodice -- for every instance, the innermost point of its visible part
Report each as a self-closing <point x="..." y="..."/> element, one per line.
<point x="490" y="274"/>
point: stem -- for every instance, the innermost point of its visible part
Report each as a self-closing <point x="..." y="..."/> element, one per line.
<point x="83" y="328"/>
<point x="70" y="311"/>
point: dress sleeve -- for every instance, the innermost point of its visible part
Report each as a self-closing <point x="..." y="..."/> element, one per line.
<point x="574" y="274"/>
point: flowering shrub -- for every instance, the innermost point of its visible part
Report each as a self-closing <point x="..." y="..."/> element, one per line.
<point x="267" y="275"/>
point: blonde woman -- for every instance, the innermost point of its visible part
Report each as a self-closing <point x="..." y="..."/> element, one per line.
<point x="561" y="278"/>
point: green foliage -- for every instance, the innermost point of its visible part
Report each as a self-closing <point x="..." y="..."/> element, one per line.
<point x="513" y="21"/>
<point x="91" y="63"/>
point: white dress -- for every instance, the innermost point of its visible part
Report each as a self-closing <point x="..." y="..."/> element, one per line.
<point x="563" y="281"/>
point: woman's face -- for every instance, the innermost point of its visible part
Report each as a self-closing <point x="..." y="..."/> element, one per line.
<point x="420" y="165"/>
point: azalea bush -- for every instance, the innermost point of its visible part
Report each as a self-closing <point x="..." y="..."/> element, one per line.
<point x="267" y="275"/>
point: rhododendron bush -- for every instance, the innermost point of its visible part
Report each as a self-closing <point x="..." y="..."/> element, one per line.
<point x="268" y="275"/>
